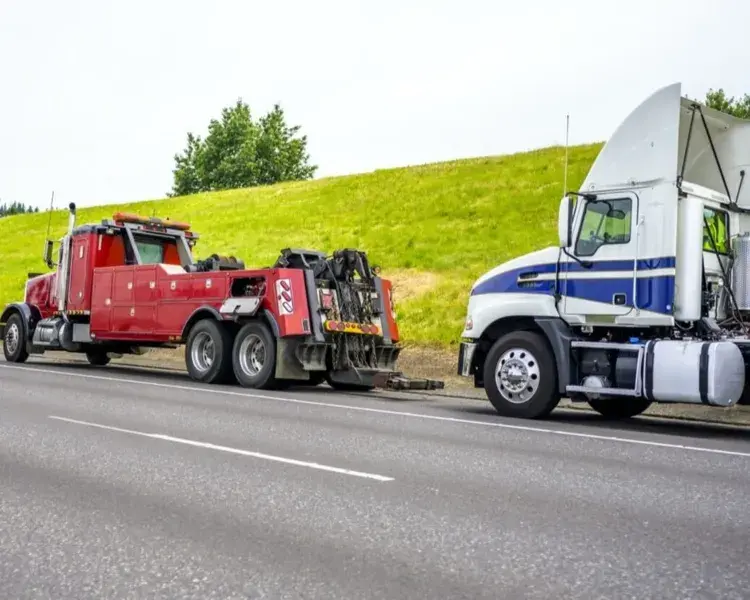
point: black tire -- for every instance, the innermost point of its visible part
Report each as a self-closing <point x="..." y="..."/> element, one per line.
<point x="619" y="408"/>
<point x="14" y="339"/>
<point x="254" y="357"/>
<point x="316" y="378"/>
<point x="529" y="390"/>
<point x="97" y="358"/>
<point x="208" y="352"/>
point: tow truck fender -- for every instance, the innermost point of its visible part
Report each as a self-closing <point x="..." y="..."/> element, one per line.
<point x="28" y="312"/>
<point x="207" y="312"/>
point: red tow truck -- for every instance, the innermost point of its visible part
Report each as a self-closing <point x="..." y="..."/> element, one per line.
<point x="131" y="283"/>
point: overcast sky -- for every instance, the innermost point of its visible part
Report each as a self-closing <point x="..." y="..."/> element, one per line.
<point x="97" y="96"/>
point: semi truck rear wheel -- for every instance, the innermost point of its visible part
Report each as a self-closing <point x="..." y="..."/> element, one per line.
<point x="619" y="408"/>
<point x="14" y="340"/>
<point x="520" y="376"/>
<point x="254" y="357"/>
<point x="208" y="352"/>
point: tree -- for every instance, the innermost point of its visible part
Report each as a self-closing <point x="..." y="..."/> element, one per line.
<point x="16" y="208"/>
<point x="240" y="152"/>
<point x="718" y="100"/>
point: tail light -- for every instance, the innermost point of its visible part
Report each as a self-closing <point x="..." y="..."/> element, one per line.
<point x="284" y="296"/>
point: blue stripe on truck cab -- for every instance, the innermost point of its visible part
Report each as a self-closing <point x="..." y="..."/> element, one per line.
<point x="655" y="293"/>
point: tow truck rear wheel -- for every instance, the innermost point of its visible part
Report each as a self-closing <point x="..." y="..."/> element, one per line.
<point x="14" y="340"/>
<point x="619" y="408"/>
<point x="520" y="376"/>
<point x="208" y="352"/>
<point x="254" y="357"/>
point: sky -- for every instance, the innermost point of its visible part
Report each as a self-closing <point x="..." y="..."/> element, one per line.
<point x="97" y="96"/>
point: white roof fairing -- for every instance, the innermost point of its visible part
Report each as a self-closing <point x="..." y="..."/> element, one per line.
<point x="649" y="147"/>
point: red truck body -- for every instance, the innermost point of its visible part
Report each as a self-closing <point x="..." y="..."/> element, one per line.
<point x="131" y="283"/>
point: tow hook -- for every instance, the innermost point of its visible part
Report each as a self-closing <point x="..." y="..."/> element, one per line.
<point x="398" y="381"/>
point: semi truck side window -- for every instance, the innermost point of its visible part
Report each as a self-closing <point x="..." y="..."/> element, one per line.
<point x="716" y="227"/>
<point x="604" y="222"/>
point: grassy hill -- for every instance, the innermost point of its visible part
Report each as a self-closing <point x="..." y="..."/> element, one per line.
<point x="433" y="228"/>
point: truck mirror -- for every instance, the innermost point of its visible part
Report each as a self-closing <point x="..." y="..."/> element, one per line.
<point x="48" y="253"/>
<point x="565" y="221"/>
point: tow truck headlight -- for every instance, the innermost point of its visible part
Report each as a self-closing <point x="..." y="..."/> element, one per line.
<point x="469" y="323"/>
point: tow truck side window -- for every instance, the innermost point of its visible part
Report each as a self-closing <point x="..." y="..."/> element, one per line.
<point x="604" y="222"/>
<point x="716" y="227"/>
<point x="150" y="249"/>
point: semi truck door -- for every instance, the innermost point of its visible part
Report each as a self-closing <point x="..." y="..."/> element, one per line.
<point x="605" y="235"/>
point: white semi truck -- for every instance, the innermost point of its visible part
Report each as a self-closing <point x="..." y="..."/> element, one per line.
<point x="646" y="298"/>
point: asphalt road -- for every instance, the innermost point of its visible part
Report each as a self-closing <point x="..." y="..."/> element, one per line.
<point x="118" y="483"/>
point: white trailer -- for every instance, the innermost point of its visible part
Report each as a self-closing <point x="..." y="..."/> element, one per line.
<point x="646" y="298"/>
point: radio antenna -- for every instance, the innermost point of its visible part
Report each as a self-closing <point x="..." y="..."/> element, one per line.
<point x="51" y="204"/>
<point x="565" y="174"/>
<point x="47" y="244"/>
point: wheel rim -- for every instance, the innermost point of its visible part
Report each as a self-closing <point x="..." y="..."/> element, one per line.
<point x="203" y="352"/>
<point x="12" y="337"/>
<point x="517" y="375"/>
<point x="252" y="355"/>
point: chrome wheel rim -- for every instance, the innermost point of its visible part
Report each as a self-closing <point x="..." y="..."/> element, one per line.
<point x="203" y="352"/>
<point x="252" y="355"/>
<point x="12" y="337"/>
<point x="517" y="375"/>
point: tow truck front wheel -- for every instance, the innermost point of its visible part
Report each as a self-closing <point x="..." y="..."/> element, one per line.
<point x="520" y="376"/>
<point x="254" y="357"/>
<point x="14" y="340"/>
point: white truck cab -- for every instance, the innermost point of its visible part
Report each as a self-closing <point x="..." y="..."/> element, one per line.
<point x="651" y="272"/>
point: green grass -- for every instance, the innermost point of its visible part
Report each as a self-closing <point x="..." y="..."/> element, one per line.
<point x="450" y="221"/>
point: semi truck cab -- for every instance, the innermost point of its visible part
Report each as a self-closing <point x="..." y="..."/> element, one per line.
<point x="644" y="253"/>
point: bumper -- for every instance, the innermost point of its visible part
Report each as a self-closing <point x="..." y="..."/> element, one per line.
<point x="465" y="358"/>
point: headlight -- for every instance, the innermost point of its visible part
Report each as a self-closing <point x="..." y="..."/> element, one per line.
<point x="469" y="324"/>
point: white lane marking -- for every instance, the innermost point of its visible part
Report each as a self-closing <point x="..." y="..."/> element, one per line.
<point x="169" y="438"/>
<point x="383" y="411"/>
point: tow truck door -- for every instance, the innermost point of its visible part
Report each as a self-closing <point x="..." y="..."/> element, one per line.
<point x="79" y="296"/>
<point x="605" y="237"/>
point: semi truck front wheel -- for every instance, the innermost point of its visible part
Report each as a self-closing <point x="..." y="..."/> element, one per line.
<point x="520" y="376"/>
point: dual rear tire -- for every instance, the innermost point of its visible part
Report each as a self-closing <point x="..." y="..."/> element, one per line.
<point x="214" y="355"/>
